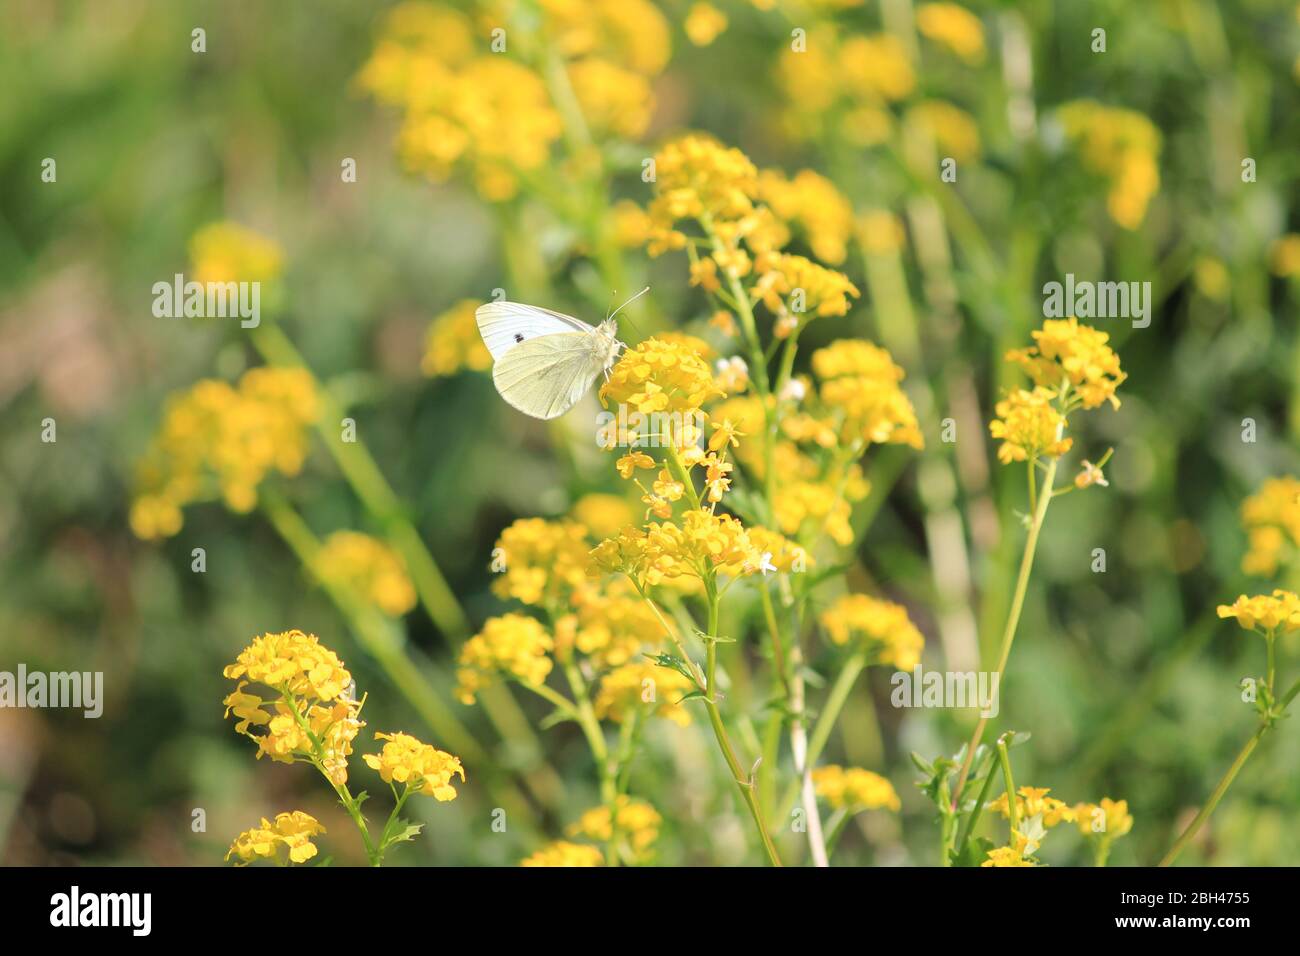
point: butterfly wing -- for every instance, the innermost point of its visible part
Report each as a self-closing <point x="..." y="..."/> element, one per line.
<point x="505" y="325"/>
<point x="545" y="376"/>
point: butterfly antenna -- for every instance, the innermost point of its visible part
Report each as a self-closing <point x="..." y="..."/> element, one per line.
<point x="625" y="305"/>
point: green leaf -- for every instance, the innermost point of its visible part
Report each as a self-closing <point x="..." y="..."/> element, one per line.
<point x="693" y="695"/>
<point x="922" y="764"/>
<point x="974" y="853"/>
<point x="715" y="638"/>
<point x="408" y="831"/>
<point x="673" y="663"/>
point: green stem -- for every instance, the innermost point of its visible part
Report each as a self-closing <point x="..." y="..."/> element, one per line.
<point x="745" y="784"/>
<point x="1013" y="811"/>
<point x="1194" y="827"/>
<point x="1013" y="616"/>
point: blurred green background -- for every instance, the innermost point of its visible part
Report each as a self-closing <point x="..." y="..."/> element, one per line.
<point x="1126" y="679"/>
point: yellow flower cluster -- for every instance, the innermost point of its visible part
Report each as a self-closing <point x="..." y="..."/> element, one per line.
<point x="1271" y="518"/>
<point x="704" y="23"/>
<point x="513" y="645"/>
<point x="854" y="789"/>
<point x="1121" y="145"/>
<point x="1030" y="427"/>
<point x="293" y="662"/>
<point x="1017" y="853"/>
<point x="633" y="824"/>
<point x="369" y="568"/>
<point x="1109" y="820"/>
<point x="229" y="252"/>
<point x="631" y="32"/>
<point x="1034" y="801"/>
<point x="860" y="383"/>
<point x="660" y="375"/>
<point x="422" y="767"/>
<point x="778" y="551"/>
<point x="1285" y="255"/>
<point x="614" y="100"/>
<point x="1073" y="356"/>
<point x="459" y="104"/>
<point x="292" y="831"/>
<point x="218" y="438"/>
<point x="609" y="625"/>
<point x="793" y="286"/>
<point x="697" y="178"/>
<point x="848" y="84"/>
<point x="643" y="684"/>
<point x="540" y="562"/>
<point x="453" y="342"/>
<point x="312" y="700"/>
<point x="564" y="853"/>
<point x="1279" y="613"/>
<point x="811" y="201"/>
<point x="702" y="544"/>
<point x="882" y="627"/>
<point x="953" y="27"/>
<point x="953" y="130"/>
<point x="602" y="514"/>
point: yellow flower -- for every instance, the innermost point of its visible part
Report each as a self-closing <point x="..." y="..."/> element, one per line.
<point x="1278" y="613"/>
<point x="660" y="376"/>
<point x="630" y="224"/>
<point x="954" y="27"/>
<point x="1122" y="146"/>
<point x="881" y="626"/>
<point x="633" y="823"/>
<point x="876" y="67"/>
<point x="294" y="662"/>
<point x="229" y="252"/>
<point x="1030" y="427"/>
<point x="698" y="178"/>
<point x="421" y="767"/>
<point x="1033" y="801"/>
<point x="1108" y="821"/>
<point x="613" y="100"/>
<point x="293" y="831"/>
<point x="701" y="545"/>
<point x="632" y="32"/>
<point x="602" y="514"/>
<point x="220" y="439"/>
<point x="540" y="561"/>
<point x="789" y="284"/>
<point x="861" y="382"/>
<point x="1013" y="855"/>
<point x="954" y="132"/>
<point x="1285" y="255"/>
<point x="704" y="22"/>
<point x="453" y="342"/>
<point x="564" y="853"/>
<point x="779" y="551"/>
<point x="609" y="625"/>
<point x="368" y="567"/>
<point x="854" y="788"/>
<point x="514" y="645"/>
<point x="1271" y="518"/>
<point x="880" y="232"/>
<point x="643" y="684"/>
<point x="813" y="202"/>
<point x="1067" y="353"/>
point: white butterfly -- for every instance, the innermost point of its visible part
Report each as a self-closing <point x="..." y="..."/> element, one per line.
<point x="545" y="361"/>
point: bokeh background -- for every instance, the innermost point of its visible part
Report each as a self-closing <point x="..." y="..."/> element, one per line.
<point x="1125" y="678"/>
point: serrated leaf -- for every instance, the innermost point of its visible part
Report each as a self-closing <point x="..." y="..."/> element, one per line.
<point x="407" y="831"/>
<point x="673" y="663"/>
